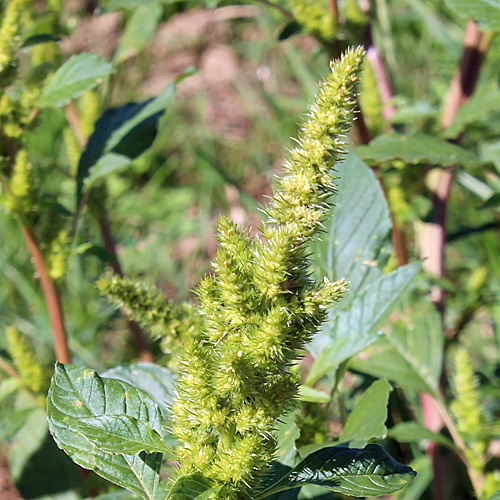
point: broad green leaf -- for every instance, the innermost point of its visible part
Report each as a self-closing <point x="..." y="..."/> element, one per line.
<point x="121" y="434"/>
<point x="287" y="433"/>
<point x="485" y="12"/>
<point x="367" y="419"/>
<point x="78" y="74"/>
<point x="78" y="394"/>
<point x="413" y="432"/>
<point x="484" y="100"/>
<point x="156" y="380"/>
<point x="356" y="243"/>
<point x="351" y="471"/>
<point x="416" y="149"/>
<point x="192" y="487"/>
<point x="124" y="132"/>
<point x="412" y="353"/>
<point x="140" y="27"/>
<point x="349" y="331"/>
<point x="11" y="419"/>
<point x="307" y="393"/>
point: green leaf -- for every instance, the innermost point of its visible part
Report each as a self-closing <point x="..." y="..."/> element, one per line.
<point x="156" y="380"/>
<point x="307" y="393"/>
<point x="357" y="240"/>
<point x="483" y="102"/>
<point x="77" y="395"/>
<point x="287" y="433"/>
<point x="139" y="29"/>
<point x="485" y="12"/>
<point x="290" y="29"/>
<point x="384" y="361"/>
<point x="412" y="353"/>
<point x="125" y="132"/>
<point x="107" y="164"/>
<point x="416" y="149"/>
<point x="78" y="74"/>
<point x="121" y="434"/>
<point x="192" y="487"/>
<point x="41" y="38"/>
<point x="348" y="332"/>
<point x="413" y="432"/>
<point x="351" y="471"/>
<point x="367" y="419"/>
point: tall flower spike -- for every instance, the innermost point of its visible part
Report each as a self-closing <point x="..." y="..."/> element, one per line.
<point x="261" y="307"/>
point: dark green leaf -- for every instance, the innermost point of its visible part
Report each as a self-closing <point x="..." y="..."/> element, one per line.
<point x="125" y="132"/>
<point x="192" y="487"/>
<point x="485" y="12"/>
<point x="77" y="395"/>
<point x="292" y="28"/>
<point x="42" y="38"/>
<point x="416" y="149"/>
<point x="367" y="419"/>
<point x="78" y="74"/>
<point x="355" y="472"/>
<point x="413" y="432"/>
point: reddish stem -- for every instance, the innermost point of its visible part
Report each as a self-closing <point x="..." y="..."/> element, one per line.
<point x="52" y="297"/>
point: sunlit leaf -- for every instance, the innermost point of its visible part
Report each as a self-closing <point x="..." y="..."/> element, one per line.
<point x="78" y="74"/>
<point x="351" y="471"/>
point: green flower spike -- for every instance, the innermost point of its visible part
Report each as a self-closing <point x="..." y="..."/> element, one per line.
<point x="261" y="307"/>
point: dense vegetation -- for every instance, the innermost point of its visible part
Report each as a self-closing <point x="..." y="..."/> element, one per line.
<point x="138" y="141"/>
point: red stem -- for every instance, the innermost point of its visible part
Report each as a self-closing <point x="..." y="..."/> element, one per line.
<point x="52" y="297"/>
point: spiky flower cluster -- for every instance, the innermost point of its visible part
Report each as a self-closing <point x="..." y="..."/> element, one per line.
<point x="261" y="307"/>
<point x="151" y="310"/>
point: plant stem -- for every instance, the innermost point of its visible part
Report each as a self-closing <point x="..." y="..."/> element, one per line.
<point x="333" y="7"/>
<point x="52" y="297"/>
